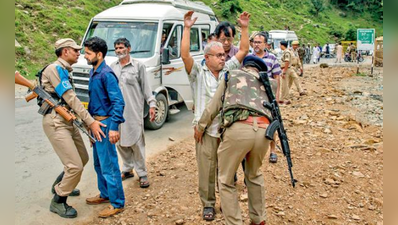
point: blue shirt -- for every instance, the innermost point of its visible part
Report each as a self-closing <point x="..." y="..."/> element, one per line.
<point x="106" y="99"/>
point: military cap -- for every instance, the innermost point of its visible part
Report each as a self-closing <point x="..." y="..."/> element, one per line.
<point x="284" y="43"/>
<point x="66" y="42"/>
<point x="295" y="42"/>
<point x="256" y="62"/>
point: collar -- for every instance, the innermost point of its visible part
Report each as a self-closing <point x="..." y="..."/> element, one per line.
<point x="130" y="62"/>
<point x="65" y="64"/>
<point x="99" y="69"/>
<point x="252" y="72"/>
<point x="232" y="51"/>
<point x="265" y="55"/>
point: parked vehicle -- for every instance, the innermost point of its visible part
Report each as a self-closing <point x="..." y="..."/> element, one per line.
<point x="276" y="36"/>
<point x="144" y="23"/>
<point x="347" y="57"/>
<point x="331" y="51"/>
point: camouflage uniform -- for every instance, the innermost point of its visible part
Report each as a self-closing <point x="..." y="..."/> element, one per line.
<point x="290" y="76"/>
<point x="244" y="95"/>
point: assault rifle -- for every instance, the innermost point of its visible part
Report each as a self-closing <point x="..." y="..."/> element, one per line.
<point x="277" y="124"/>
<point x="49" y="102"/>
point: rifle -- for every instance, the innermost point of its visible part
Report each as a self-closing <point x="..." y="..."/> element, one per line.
<point x="277" y="124"/>
<point x="49" y="102"/>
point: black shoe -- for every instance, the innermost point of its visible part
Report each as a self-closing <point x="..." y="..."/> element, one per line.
<point x="75" y="192"/>
<point x="59" y="206"/>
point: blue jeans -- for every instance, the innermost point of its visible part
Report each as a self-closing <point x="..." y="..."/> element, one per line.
<point x="107" y="167"/>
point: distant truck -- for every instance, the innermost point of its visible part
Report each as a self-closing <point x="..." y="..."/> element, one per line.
<point x="276" y="36"/>
<point x="154" y="28"/>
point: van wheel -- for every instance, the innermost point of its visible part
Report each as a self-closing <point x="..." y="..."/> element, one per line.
<point x="161" y="113"/>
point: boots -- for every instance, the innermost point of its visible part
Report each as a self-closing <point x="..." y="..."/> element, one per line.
<point x="75" y="192"/>
<point x="59" y="206"/>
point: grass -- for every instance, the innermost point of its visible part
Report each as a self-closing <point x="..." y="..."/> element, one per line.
<point x="39" y="23"/>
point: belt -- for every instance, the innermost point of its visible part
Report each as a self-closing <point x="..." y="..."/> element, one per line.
<point x="99" y="118"/>
<point x="261" y="121"/>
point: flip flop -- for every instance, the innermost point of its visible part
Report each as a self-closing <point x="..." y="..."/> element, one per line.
<point x="209" y="213"/>
<point x="273" y="158"/>
<point x="144" y="183"/>
<point x="126" y="175"/>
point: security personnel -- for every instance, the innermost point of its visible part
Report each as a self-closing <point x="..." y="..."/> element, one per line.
<point x="299" y="52"/>
<point x="63" y="135"/>
<point x="289" y="74"/>
<point x="244" y="121"/>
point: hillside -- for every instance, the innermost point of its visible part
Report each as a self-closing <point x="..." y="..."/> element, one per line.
<point x="38" y="24"/>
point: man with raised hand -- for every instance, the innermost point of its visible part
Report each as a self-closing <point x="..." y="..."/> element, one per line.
<point x="205" y="80"/>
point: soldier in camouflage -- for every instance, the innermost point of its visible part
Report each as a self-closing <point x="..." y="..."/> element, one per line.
<point x="243" y="124"/>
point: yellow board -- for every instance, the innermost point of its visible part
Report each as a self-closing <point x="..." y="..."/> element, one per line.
<point x="85" y="104"/>
<point x="346" y="43"/>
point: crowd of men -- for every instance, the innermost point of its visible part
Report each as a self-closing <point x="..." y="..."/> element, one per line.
<point x="229" y="117"/>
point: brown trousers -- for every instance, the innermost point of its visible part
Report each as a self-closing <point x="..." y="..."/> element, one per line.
<point x="242" y="141"/>
<point x="206" y="156"/>
<point x="287" y="82"/>
<point x="69" y="146"/>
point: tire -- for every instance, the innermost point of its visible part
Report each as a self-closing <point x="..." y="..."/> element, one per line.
<point x="360" y="59"/>
<point x="161" y="113"/>
<point x="346" y="59"/>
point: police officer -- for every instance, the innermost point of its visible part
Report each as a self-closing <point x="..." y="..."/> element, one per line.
<point x="299" y="52"/>
<point x="63" y="135"/>
<point x="289" y="74"/>
<point x="244" y="121"/>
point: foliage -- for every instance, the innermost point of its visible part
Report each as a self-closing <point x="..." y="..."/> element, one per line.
<point x="318" y="6"/>
<point x="230" y="7"/>
<point x="351" y="34"/>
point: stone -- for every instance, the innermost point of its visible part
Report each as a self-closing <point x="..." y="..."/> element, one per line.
<point x="180" y="222"/>
<point x="331" y="216"/>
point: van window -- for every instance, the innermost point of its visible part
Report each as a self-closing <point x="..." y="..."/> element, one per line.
<point x="205" y="34"/>
<point x="165" y="33"/>
<point x="194" y="40"/>
<point x="174" y="44"/>
<point x="141" y="35"/>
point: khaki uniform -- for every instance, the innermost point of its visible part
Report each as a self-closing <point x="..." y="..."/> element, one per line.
<point x="64" y="137"/>
<point x="291" y="74"/>
<point x="243" y="99"/>
<point x="353" y="53"/>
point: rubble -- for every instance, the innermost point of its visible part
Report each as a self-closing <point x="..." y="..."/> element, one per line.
<point x="336" y="140"/>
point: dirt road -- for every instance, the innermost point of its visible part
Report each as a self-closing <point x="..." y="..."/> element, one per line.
<point x="337" y="151"/>
<point x="37" y="165"/>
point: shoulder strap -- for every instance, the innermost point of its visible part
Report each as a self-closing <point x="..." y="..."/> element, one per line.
<point x="40" y="74"/>
<point x="226" y="79"/>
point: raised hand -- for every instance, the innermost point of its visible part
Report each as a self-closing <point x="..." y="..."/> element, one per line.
<point x="188" y="21"/>
<point x="244" y="19"/>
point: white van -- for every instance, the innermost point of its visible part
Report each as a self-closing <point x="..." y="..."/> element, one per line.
<point x="276" y="36"/>
<point x="143" y="22"/>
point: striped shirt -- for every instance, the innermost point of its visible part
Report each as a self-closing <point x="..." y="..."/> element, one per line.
<point x="204" y="85"/>
<point x="273" y="66"/>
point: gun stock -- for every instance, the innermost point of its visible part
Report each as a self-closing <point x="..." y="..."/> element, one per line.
<point x="19" y="79"/>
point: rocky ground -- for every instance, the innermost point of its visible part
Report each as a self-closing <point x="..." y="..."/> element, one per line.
<point x="336" y="138"/>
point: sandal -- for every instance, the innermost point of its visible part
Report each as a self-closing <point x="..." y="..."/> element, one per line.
<point x="209" y="213"/>
<point x="273" y="158"/>
<point x="144" y="183"/>
<point x="126" y="175"/>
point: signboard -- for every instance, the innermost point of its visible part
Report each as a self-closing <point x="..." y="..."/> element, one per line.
<point x="365" y="39"/>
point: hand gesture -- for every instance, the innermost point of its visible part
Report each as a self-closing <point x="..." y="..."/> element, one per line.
<point x="113" y="136"/>
<point x="152" y="114"/>
<point x="188" y="21"/>
<point x="198" y="135"/>
<point x="244" y="19"/>
<point x="95" y="129"/>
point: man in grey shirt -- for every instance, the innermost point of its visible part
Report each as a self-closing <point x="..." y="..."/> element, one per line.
<point x="133" y="82"/>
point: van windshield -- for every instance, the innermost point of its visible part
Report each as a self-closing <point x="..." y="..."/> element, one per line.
<point x="142" y="36"/>
<point x="276" y="43"/>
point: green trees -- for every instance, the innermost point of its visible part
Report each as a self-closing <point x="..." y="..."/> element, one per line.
<point x="318" y="6"/>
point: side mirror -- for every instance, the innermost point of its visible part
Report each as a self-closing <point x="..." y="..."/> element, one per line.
<point x="165" y="57"/>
